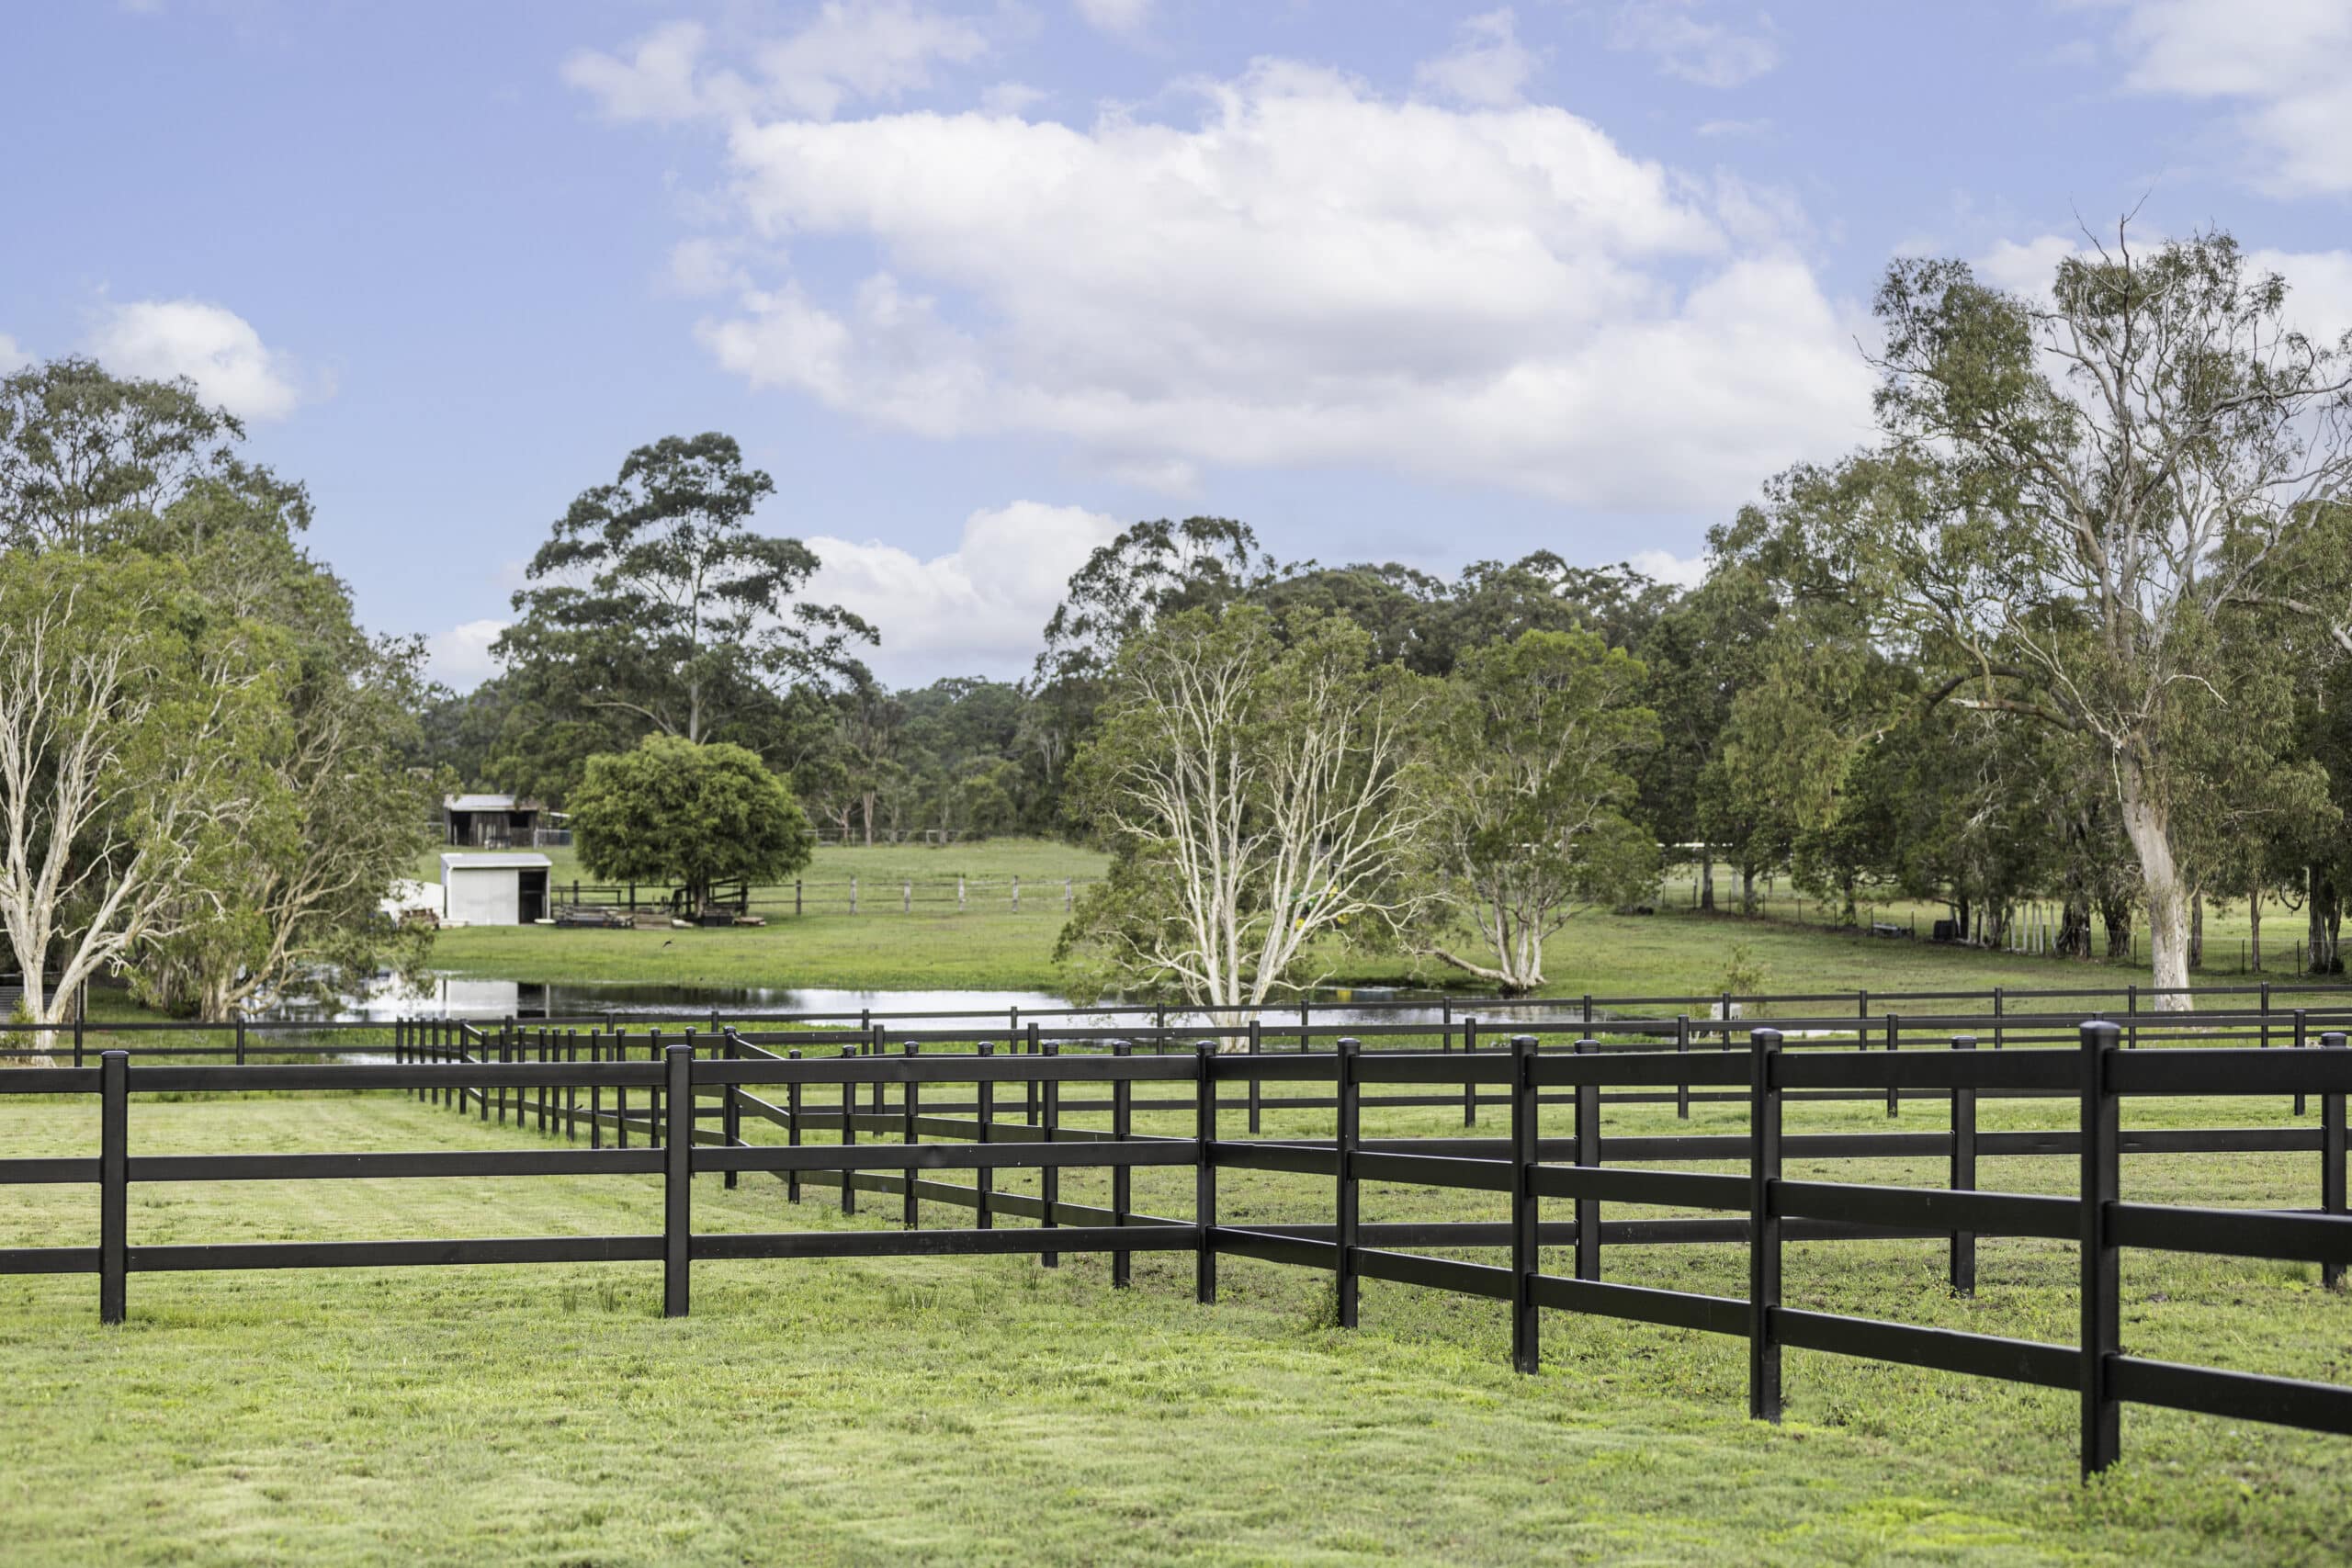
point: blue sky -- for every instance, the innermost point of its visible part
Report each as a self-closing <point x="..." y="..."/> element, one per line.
<point x="978" y="283"/>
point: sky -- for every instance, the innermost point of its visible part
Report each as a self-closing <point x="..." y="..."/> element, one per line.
<point x="981" y="283"/>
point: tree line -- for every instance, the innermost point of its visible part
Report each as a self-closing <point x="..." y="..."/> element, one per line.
<point x="2072" y="626"/>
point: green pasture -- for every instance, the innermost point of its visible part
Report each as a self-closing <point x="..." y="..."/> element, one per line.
<point x="990" y="1411"/>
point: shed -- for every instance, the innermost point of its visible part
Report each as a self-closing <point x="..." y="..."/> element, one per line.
<point x="493" y="889"/>
<point x="490" y="821"/>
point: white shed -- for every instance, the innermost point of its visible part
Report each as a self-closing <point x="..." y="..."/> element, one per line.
<point x="493" y="889"/>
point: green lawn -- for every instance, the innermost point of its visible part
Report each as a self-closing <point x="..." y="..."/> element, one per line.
<point x="986" y="1410"/>
<point x="990" y="860"/>
<point x="1673" y="952"/>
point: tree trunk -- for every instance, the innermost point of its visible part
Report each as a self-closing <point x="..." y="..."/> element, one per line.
<point x="2325" y="906"/>
<point x="1707" y="878"/>
<point x="2197" y="930"/>
<point x="2162" y="885"/>
<point x="2074" y="927"/>
<point x="2253" y="928"/>
<point x="1748" y="890"/>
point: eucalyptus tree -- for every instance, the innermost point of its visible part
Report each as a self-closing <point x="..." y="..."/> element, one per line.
<point x="655" y="604"/>
<point x="85" y="456"/>
<point x="2076" y="488"/>
<point x="1253" y="783"/>
<point x="131" y="720"/>
<point x="1524" y="773"/>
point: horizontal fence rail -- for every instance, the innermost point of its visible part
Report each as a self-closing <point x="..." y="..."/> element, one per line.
<point x="654" y="1104"/>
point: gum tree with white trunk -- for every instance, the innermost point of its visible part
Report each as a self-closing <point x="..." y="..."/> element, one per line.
<point x="1254" y="782"/>
<point x="2078" y="493"/>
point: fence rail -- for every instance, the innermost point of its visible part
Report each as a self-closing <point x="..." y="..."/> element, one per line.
<point x="693" y="1095"/>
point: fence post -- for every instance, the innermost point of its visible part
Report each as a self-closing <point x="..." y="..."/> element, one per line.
<point x="1016" y="895"/>
<point x="1205" y="1170"/>
<point x="853" y="895"/>
<point x="1031" y="1113"/>
<point x="595" y="1091"/>
<point x="792" y="1129"/>
<point x="907" y="896"/>
<point x="2265" y="1015"/>
<point x="1345" y="1143"/>
<point x="77" y="1037"/>
<point x="677" y="1166"/>
<point x="240" y="1038"/>
<point x="731" y="1124"/>
<point x="655" y="1096"/>
<point x="796" y="896"/>
<point x="1302" y="1025"/>
<point x="2302" y="1038"/>
<point x="2331" y="1160"/>
<point x="2102" y="1330"/>
<point x="2131" y="1011"/>
<point x="1469" y="1085"/>
<point x="1070" y="896"/>
<point x="985" y="1177"/>
<point x="848" y="1132"/>
<point x="1049" y="1181"/>
<point x="113" y="1183"/>
<point x="1588" y="1157"/>
<point x="959" y="895"/>
<point x="1254" y="1045"/>
<point x="1964" y="1175"/>
<point x="1682" y="1087"/>
<point x="1999" y="1007"/>
<point x="1763" y="1223"/>
<point x="1122" y="1178"/>
<point x="1525" y="1212"/>
<point x="908" y="1103"/>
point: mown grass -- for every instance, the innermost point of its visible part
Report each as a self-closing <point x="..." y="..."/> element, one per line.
<point x="1672" y="953"/>
<point x="988" y="1410"/>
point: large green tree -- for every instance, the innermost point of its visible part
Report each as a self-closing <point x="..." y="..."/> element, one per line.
<point x="655" y="607"/>
<point x="132" y="719"/>
<point x="2075" y="491"/>
<point x="673" y="811"/>
<point x="1525" y="777"/>
<point x="1253" y="785"/>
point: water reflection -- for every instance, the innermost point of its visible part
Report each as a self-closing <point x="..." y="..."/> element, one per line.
<point x="452" y="997"/>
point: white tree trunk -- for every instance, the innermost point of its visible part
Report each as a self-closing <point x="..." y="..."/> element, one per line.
<point x="2167" y="892"/>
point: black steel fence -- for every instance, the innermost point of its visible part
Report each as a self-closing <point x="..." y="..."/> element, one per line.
<point x="658" y="1104"/>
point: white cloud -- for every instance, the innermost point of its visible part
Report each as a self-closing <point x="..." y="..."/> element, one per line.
<point x="1712" y="54"/>
<point x="1488" y="66"/>
<point x="211" y="345"/>
<point x="1309" y="274"/>
<point x="2286" y="63"/>
<point x="850" y="50"/>
<point x="1116" y="16"/>
<point x="459" y="658"/>
<point x="1011" y="97"/>
<point x="1664" y="566"/>
<point x="12" y="358"/>
<point x="2025" y="267"/>
<point x="977" y="609"/>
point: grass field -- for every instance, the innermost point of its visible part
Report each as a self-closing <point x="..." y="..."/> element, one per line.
<point x="986" y="1410"/>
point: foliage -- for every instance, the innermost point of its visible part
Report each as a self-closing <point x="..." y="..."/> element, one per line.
<point x="675" y="811"/>
<point x="2077" y="496"/>
<point x="1524" y="770"/>
<point x="132" y="719"/>
<point x="1255" y="794"/>
<point x="654" y="607"/>
<point x="85" y="457"/>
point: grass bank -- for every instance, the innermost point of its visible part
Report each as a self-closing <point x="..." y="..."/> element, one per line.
<point x="1668" y="953"/>
<point x="988" y="1411"/>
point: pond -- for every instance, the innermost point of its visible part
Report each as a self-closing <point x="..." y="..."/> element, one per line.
<point x="456" y="996"/>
